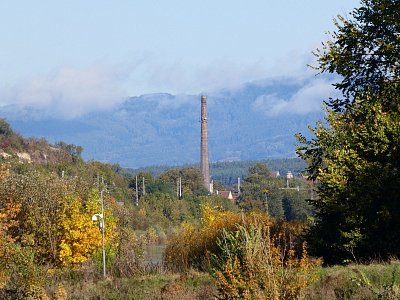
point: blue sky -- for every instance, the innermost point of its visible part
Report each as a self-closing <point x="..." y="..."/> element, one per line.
<point x="98" y="52"/>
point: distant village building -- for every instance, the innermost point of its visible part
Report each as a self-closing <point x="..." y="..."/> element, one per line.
<point x="275" y="174"/>
<point x="228" y="195"/>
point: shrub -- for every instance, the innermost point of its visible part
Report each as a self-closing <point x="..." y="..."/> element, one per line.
<point x="129" y="259"/>
<point x="24" y="278"/>
<point x="253" y="265"/>
<point x="190" y="247"/>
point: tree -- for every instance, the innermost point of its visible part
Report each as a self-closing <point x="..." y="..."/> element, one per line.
<point x="192" y="182"/>
<point x="5" y="128"/>
<point x="261" y="192"/>
<point x="79" y="236"/>
<point x="54" y="216"/>
<point x="355" y="155"/>
<point x="365" y="53"/>
<point x="74" y="151"/>
<point x="260" y="169"/>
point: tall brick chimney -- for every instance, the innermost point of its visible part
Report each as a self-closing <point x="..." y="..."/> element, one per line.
<point x="204" y="163"/>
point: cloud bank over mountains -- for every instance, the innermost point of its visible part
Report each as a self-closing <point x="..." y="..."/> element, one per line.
<point x="69" y="92"/>
<point x="253" y="121"/>
<point x="307" y="99"/>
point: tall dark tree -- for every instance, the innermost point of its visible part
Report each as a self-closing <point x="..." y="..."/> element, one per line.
<point x="356" y="158"/>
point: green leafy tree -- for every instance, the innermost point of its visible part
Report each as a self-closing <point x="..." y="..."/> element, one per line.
<point x="261" y="192"/>
<point x="355" y="157"/>
<point x="5" y="128"/>
<point x="192" y="182"/>
<point x="364" y="51"/>
<point x="260" y="169"/>
<point x="295" y="205"/>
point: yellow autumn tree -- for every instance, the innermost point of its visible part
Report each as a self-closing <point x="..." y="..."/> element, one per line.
<point x="80" y="235"/>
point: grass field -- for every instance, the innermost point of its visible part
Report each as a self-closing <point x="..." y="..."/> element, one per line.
<point x="367" y="281"/>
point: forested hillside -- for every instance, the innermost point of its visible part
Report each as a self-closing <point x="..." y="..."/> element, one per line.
<point x="227" y="172"/>
<point x="164" y="129"/>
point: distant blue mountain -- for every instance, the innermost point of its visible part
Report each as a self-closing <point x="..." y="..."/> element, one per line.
<point x="255" y="121"/>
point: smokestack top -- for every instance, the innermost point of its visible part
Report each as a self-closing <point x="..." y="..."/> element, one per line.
<point x="203" y="98"/>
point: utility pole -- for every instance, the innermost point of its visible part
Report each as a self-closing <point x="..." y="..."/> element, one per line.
<point x="289" y="175"/>
<point x="177" y="188"/>
<point x="136" y="192"/>
<point x="266" y="202"/>
<point x="180" y="188"/>
<point x="102" y="232"/>
<point x="297" y="188"/>
<point x="100" y="218"/>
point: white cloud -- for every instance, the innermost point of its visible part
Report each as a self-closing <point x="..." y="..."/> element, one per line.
<point x="306" y="100"/>
<point x="154" y="74"/>
<point x="70" y="92"/>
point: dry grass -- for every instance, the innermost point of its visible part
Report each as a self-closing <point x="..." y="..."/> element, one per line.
<point x="370" y="281"/>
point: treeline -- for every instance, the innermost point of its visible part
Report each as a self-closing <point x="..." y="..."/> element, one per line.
<point x="228" y="172"/>
<point x="280" y="197"/>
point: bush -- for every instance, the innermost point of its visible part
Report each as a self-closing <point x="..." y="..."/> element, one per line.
<point x="23" y="277"/>
<point x="190" y="247"/>
<point x="129" y="259"/>
<point x="252" y="264"/>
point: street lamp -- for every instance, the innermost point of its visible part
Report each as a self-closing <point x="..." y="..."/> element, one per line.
<point x="100" y="218"/>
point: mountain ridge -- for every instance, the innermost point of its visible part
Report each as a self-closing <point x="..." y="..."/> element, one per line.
<point x="255" y="121"/>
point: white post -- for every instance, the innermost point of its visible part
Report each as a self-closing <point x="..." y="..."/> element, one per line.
<point x="180" y="187"/>
<point x="177" y="188"/>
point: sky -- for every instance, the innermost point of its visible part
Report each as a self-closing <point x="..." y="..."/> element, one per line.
<point x="96" y="53"/>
